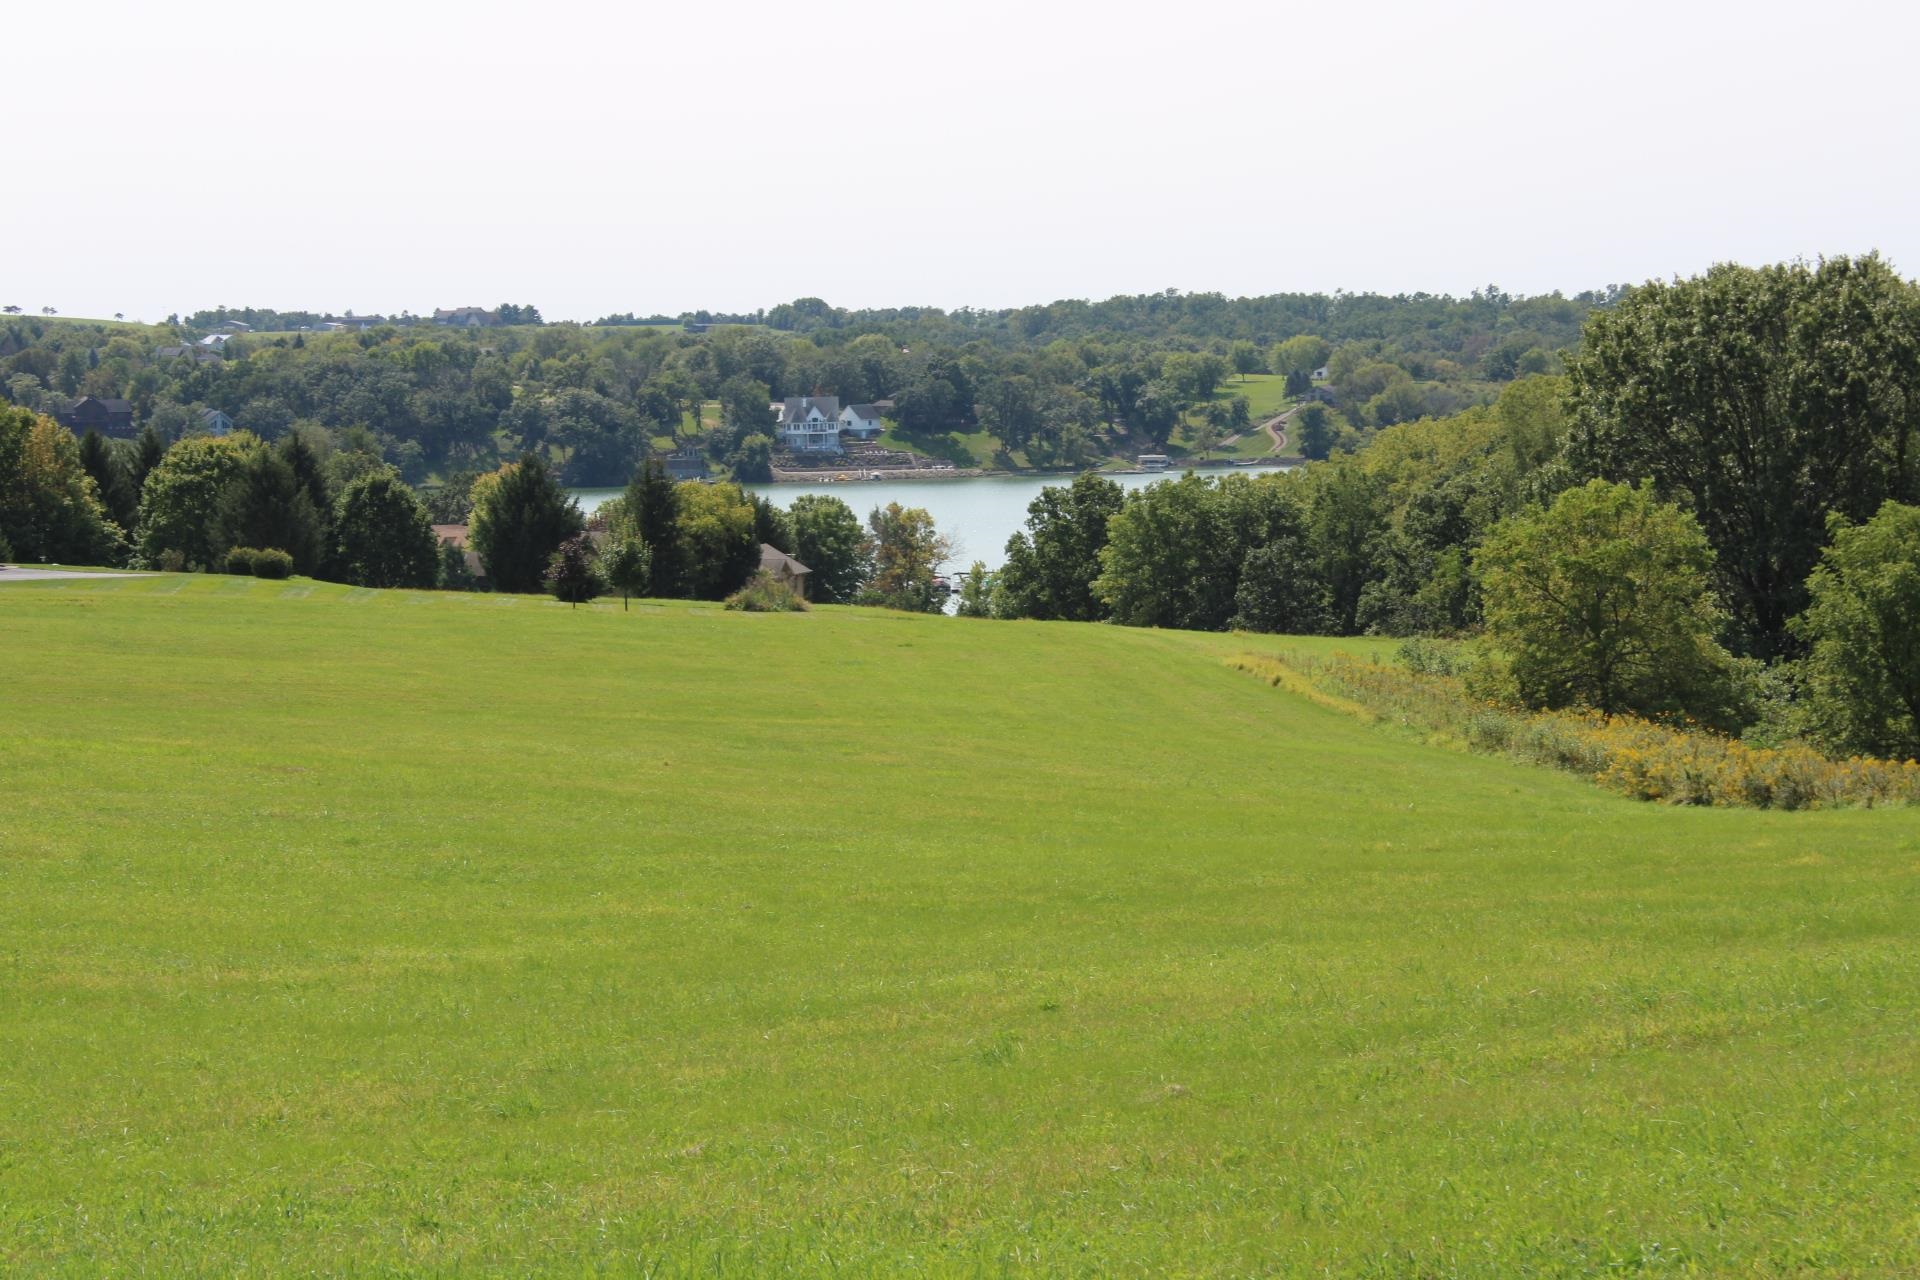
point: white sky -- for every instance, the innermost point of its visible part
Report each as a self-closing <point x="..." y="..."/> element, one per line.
<point x="592" y="157"/>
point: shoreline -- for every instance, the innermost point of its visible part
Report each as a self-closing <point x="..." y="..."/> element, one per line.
<point x="844" y="475"/>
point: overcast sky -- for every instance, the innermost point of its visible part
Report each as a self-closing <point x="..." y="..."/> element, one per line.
<point x="596" y="157"/>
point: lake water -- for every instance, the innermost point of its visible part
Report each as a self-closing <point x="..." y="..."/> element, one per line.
<point x="978" y="512"/>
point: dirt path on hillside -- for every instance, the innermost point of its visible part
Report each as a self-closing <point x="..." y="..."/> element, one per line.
<point x="1275" y="427"/>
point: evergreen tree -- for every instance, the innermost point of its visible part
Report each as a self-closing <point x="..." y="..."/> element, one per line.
<point x="307" y="468"/>
<point x="265" y="506"/>
<point x="147" y="452"/>
<point x="98" y="460"/>
<point x="770" y="524"/>
<point x="520" y="518"/>
<point x="653" y="505"/>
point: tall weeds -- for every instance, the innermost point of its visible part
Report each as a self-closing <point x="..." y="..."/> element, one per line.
<point x="1638" y="758"/>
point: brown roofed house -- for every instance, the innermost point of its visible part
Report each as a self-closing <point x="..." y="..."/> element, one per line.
<point x="90" y="413"/>
<point x="784" y="568"/>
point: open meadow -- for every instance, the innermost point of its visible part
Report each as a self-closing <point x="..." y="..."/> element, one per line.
<point x="363" y="932"/>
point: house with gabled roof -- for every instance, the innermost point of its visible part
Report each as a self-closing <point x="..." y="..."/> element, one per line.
<point x="809" y="424"/>
<point x="466" y="317"/>
<point x="861" y="422"/>
<point x="784" y="569"/>
<point x="91" y="413"/>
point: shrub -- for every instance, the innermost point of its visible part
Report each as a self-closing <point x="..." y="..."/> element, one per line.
<point x="573" y="574"/>
<point x="6" y="552"/>
<point x="240" y="560"/>
<point x="173" y="560"/>
<point x="272" y="563"/>
<point x="765" y="593"/>
<point x="1426" y="657"/>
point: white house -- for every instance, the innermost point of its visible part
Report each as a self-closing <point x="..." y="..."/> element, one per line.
<point x="860" y="422"/>
<point x="809" y="424"/>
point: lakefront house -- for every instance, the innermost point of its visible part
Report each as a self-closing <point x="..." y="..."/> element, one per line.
<point x="819" y="424"/>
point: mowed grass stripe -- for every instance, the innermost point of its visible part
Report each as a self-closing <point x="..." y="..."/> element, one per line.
<point x="429" y="938"/>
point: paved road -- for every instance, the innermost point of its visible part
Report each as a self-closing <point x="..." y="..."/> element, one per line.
<point x="14" y="573"/>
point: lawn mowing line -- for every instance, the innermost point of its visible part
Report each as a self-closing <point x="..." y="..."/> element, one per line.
<point x="296" y="593"/>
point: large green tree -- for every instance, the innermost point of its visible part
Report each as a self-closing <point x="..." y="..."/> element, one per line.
<point x="1051" y="566"/>
<point x="1764" y="401"/>
<point x="50" y="508"/>
<point x="1174" y="552"/>
<point x="520" y="518"/>
<point x="714" y="537"/>
<point x="383" y="536"/>
<point x="1863" y="626"/>
<point x="907" y="552"/>
<point x="829" y="540"/>
<point x="180" y="503"/>
<point x="1601" y="601"/>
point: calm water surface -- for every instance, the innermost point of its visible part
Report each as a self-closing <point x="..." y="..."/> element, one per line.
<point x="978" y="512"/>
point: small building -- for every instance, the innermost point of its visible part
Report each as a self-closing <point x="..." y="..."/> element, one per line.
<point x="1320" y="374"/>
<point x="809" y="424"/>
<point x="686" y="466"/>
<point x="215" y="423"/>
<point x="233" y="326"/>
<point x="90" y="413"/>
<point x="1153" y="461"/>
<point x="455" y="535"/>
<point x="467" y="317"/>
<point x="784" y="569"/>
<point x="861" y="422"/>
<point x="217" y="341"/>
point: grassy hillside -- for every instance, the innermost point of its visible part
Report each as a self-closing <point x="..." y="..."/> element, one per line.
<point x="349" y="931"/>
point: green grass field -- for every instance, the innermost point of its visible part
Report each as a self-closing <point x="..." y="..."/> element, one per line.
<point x="368" y="933"/>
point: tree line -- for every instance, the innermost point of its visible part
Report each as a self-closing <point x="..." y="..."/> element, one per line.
<point x="1052" y="386"/>
<point x="236" y="502"/>
<point x="1710" y="514"/>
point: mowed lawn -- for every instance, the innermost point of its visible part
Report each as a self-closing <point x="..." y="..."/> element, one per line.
<point x="383" y="932"/>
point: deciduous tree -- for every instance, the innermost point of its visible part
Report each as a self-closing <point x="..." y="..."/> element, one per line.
<point x="383" y="535"/>
<point x="1763" y="400"/>
<point x="572" y="574"/>
<point x="828" y="539"/>
<point x="1600" y="601"/>
<point x="627" y="565"/>
<point x="1863" y="627"/>
<point x="907" y="551"/>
